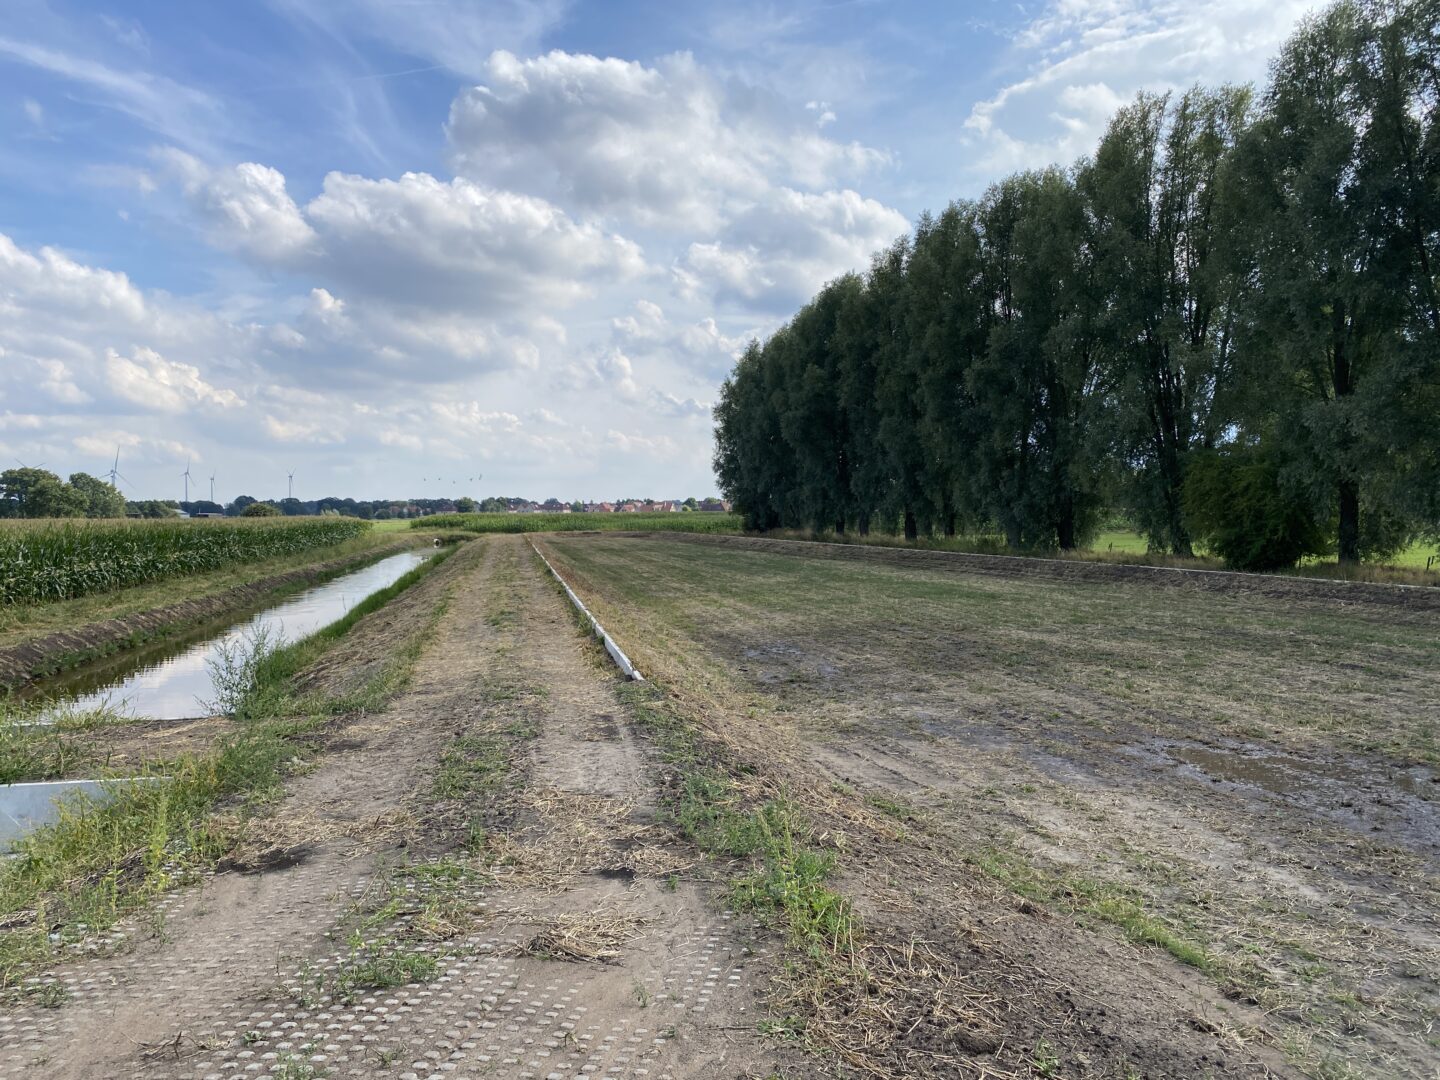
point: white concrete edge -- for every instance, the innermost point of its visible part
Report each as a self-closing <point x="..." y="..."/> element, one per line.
<point x="616" y="653"/>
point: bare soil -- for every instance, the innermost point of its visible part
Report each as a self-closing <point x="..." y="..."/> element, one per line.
<point x="1167" y="826"/>
<point x="470" y="882"/>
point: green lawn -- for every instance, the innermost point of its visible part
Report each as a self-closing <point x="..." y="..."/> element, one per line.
<point x="1128" y="542"/>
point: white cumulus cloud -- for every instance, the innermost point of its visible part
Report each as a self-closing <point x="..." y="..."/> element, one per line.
<point x="149" y="380"/>
<point x="664" y="145"/>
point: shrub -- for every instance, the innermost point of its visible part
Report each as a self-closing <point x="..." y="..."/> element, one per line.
<point x="1236" y="504"/>
<point x="260" y="509"/>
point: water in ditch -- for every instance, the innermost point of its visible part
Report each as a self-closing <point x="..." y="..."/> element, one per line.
<point x="172" y="680"/>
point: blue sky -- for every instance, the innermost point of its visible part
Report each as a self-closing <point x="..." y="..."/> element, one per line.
<point x="393" y="244"/>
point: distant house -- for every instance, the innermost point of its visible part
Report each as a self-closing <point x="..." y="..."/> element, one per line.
<point x="714" y="506"/>
<point x="666" y="506"/>
<point x="605" y="508"/>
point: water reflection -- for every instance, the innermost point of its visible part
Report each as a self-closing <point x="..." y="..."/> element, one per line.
<point x="172" y="680"/>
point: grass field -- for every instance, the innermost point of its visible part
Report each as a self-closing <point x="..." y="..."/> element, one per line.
<point x="1124" y="541"/>
<point x="524" y="523"/>
<point x="1247" y="784"/>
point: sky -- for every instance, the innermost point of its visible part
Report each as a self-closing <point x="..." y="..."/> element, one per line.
<point x="426" y="248"/>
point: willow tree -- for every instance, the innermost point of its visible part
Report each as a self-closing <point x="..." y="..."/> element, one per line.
<point x="948" y="321"/>
<point x="1156" y="192"/>
<point x="1036" y="386"/>
<point x="815" y="422"/>
<point x="1343" y="305"/>
<point x="751" y="456"/>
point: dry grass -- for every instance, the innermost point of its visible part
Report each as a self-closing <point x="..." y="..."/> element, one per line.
<point x="263" y="841"/>
<point x="900" y="1010"/>
<point x="596" y="938"/>
<point x="581" y="834"/>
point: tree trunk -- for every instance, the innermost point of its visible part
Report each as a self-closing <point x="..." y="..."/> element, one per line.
<point x="863" y="525"/>
<point x="1349" y="523"/>
<point x="950" y="523"/>
<point x="1349" y="487"/>
<point x="1065" y="523"/>
<point x="839" y="524"/>
<point x="912" y="530"/>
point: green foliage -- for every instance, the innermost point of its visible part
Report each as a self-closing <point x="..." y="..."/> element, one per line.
<point x="525" y="523"/>
<point x="1223" y="266"/>
<point x="151" y="508"/>
<point x="38" y="493"/>
<point x="1236" y="504"/>
<point x="101" y="500"/>
<point x="260" y="509"/>
<point x="1338" y="180"/>
<point x="45" y="562"/>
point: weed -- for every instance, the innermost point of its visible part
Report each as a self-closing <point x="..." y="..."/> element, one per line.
<point x="708" y="811"/>
<point x="782" y="1027"/>
<point x="889" y="806"/>
<point x="39" y="741"/>
<point x="641" y="994"/>
<point x="1045" y="1061"/>
<point x="234" y="669"/>
<point x="291" y="1067"/>
<point x="1111" y="903"/>
<point x="375" y="968"/>
<point x="470" y="766"/>
<point x="476" y="836"/>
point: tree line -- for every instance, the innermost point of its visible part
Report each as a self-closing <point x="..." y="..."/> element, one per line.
<point x="1224" y="323"/>
<point x="38" y="493"/>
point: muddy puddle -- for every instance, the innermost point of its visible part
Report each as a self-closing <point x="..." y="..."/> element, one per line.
<point x="174" y="679"/>
<point x="1281" y="774"/>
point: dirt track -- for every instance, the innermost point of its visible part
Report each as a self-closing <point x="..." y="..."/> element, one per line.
<point x="494" y="815"/>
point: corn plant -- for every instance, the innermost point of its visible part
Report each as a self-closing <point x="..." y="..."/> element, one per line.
<point x="46" y="561"/>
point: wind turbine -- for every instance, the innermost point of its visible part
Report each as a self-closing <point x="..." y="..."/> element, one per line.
<point x="24" y="466"/>
<point x="291" y="489"/>
<point x="212" y="487"/>
<point x="115" y="474"/>
<point x="186" y="475"/>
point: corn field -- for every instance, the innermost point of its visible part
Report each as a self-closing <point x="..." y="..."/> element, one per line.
<point x="59" y="560"/>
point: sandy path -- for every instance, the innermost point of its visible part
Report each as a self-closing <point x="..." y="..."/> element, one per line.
<point x="211" y="991"/>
